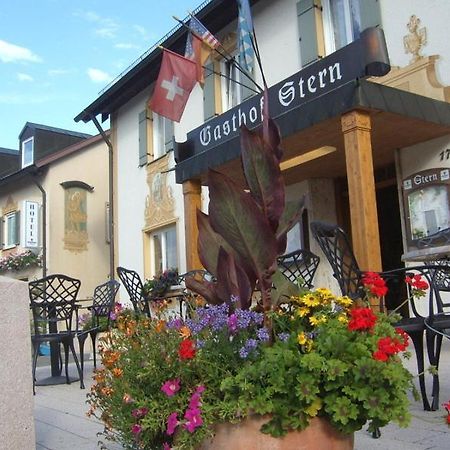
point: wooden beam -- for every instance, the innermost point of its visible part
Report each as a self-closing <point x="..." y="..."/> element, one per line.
<point x="192" y="190"/>
<point x="356" y="126"/>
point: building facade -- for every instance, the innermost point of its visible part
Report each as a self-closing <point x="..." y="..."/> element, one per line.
<point x="54" y="204"/>
<point x="367" y="145"/>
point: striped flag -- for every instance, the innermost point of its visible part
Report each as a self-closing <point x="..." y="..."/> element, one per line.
<point x="245" y="31"/>
<point x="199" y="43"/>
<point x="202" y="32"/>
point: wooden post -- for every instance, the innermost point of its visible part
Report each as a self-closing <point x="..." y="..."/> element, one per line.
<point x="356" y="126"/>
<point x="192" y="190"/>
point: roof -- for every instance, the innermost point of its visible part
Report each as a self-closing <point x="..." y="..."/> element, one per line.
<point x="9" y="161"/>
<point x="214" y="14"/>
<point x="49" y="159"/>
<point x="399" y="119"/>
<point x="37" y="126"/>
<point x="9" y="151"/>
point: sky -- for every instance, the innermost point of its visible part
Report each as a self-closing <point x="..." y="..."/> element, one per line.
<point x="57" y="55"/>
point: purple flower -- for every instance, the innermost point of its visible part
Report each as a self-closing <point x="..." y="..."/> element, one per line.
<point x="136" y="429"/>
<point x="175" y="324"/>
<point x="263" y="334"/>
<point x="171" y="387"/>
<point x="172" y="423"/>
<point x="283" y="337"/>
<point x="243" y="353"/>
<point x="232" y="323"/>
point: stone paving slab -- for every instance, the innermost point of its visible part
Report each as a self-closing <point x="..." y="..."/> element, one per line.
<point x="61" y="422"/>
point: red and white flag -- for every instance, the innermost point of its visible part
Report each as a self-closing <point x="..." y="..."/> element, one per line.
<point x="176" y="79"/>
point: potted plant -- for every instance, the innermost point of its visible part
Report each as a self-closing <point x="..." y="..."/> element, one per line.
<point x="160" y="283"/>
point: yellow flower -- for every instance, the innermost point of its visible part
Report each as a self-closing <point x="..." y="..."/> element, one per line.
<point x="344" y="301"/>
<point x="160" y="326"/>
<point x="303" y="311"/>
<point x="313" y="409"/>
<point x="310" y="300"/>
<point x="343" y="318"/>
<point x="314" y="320"/>
<point x="301" y="338"/>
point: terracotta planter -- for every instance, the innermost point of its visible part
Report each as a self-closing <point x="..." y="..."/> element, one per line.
<point x="319" y="435"/>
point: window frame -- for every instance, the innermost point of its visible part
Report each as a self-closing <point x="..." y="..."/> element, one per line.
<point x="15" y="236"/>
<point x="25" y="163"/>
<point x="162" y="140"/>
<point x="162" y="234"/>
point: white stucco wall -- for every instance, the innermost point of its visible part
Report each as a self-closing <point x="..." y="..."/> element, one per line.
<point x="434" y="16"/>
<point x="131" y="186"/>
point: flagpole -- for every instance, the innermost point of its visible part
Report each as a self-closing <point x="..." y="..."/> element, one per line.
<point x="258" y="56"/>
<point x="228" y="58"/>
<point x="229" y="78"/>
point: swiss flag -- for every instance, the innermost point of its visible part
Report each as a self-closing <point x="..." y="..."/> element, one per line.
<point x="176" y="79"/>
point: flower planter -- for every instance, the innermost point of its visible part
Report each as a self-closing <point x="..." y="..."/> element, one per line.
<point x="245" y="435"/>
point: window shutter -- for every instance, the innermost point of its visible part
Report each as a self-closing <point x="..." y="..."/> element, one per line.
<point x="2" y="232"/>
<point x="17" y="223"/>
<point x="307" y="29"/>
<point x="143" y="138"/>
<point x="168" y="135"/>
<point x="209" y="101"/>
<point x="370" y="13"/>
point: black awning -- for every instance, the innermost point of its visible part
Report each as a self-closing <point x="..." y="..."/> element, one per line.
<point x="358" y="94"/>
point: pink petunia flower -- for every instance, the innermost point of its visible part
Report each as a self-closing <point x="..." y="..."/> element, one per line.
<point x="138" y="413"/>
<point x="166" y="446"/>
<point x="172" y="423"/>
<point x="171" y="387"/>
<point x="193" y="420"/>
<point x="136" y="429"/>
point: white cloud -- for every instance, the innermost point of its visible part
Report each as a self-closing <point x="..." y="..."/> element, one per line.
<point x="14" y="53"/>
<point x="57" y="72"/>
<point x="98" y="76"/>
<point x="107" y="27"/>
<point x="24" y="77"/>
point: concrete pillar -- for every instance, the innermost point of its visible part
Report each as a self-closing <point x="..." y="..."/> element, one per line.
<point x="16" y="415"/>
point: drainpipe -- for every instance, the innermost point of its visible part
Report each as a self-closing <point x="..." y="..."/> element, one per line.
<point x="111" y="197"/>
<point x="44" y="227"/>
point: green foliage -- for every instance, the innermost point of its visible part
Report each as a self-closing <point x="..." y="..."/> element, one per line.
<point x="324" y="362"/>
<point x="160" y="283"/>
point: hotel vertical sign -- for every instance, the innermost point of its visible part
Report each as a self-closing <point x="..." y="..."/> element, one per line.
<point x="31" y="227"/>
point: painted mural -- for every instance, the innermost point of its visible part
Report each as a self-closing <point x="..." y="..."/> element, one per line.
<point x="75" y="223"/>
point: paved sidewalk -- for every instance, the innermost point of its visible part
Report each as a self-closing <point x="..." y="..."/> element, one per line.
<point x="61" y="422"/>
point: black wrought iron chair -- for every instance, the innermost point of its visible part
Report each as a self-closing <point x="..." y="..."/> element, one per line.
<point x="53" y="305"/>
<point x="438" y="322"/>
<point x="299" y="266"/>
<point x="188" y="297"/>
<point x="102" y="305"/>
<point x="133" y="284"/>
<point x="336" y="246"/>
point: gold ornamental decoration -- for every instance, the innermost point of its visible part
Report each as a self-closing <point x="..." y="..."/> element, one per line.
<point x="75" y="220"/>
<point x="416" y="39"/>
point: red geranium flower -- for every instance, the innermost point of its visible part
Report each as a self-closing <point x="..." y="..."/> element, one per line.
<point x="374" y="284"/>
<point x="362" y="319"/>
<point x="416" y="282"/>
<point x="186" y="349"/>
<point x="380" y="356"/>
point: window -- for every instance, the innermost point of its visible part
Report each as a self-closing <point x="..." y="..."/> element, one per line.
<point x="342" y="23"/>
<point x="28" y="152"/>
<point x="11" y="229"/>
<point x="328" y="25"/>
<point x="162" y="135"/>
<point x="164" y="243"/>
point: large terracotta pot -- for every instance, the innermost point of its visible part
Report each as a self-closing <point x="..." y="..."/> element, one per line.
<point x="319" y="435"/>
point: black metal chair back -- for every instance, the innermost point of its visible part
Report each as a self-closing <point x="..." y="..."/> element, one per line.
<point x="335" y="245"/>
<point x="133" y="284"/>
<point x="103" y="301"/>
<point x="52" y="300"/>
<point x="102" y="306"/>
<point x="300" y="265"/>
<point x="53" y="305"/>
